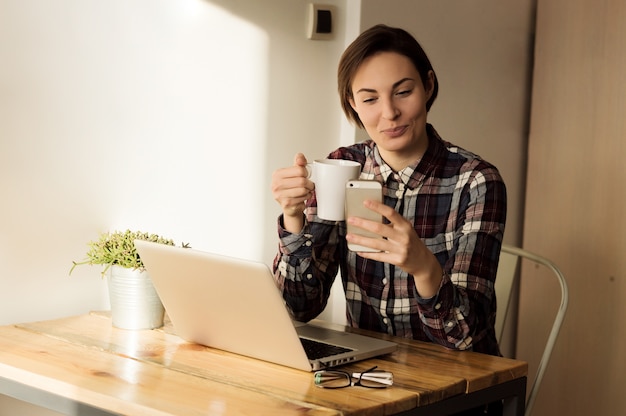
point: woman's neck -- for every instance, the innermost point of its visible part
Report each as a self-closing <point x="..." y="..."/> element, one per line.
<point x="399" y="160"/>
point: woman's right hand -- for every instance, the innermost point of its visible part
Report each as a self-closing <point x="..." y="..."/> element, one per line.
<point x="291" y="187"/>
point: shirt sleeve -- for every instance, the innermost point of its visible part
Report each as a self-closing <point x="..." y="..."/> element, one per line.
<point x="462" y="314"/>
<point x="306" y="266"/>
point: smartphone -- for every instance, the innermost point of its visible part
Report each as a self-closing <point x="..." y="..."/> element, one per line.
<point x="358" y="191"/>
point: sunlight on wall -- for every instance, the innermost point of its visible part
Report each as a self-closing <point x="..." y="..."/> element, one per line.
<point x="207" y="134"/>
<point x="113" y="115"/>
<point x="162" y="121"/>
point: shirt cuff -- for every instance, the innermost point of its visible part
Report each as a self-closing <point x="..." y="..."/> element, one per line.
<point x="291" y="243"/>
<point x="435" y="304"/>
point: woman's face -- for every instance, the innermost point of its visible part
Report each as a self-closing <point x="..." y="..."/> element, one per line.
<point x="390" y="99"/>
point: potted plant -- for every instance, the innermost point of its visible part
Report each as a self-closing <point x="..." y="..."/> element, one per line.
<point x="134" y="301"/>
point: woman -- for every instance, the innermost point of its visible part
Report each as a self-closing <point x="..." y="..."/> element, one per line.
<point x="444" y="210"/>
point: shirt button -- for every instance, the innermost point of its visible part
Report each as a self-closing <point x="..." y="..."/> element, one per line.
<point x="385" y="321"/>
<point x="308" y="243"/>
<point x="385" y="281"/>
<point x="438" y="306"/>
<point x="450" y="324"/>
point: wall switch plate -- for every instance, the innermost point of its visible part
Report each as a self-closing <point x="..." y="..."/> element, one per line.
<point x="320" y="22"/>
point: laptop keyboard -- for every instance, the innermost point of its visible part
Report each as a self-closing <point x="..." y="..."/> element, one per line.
<point x="315" y="349"/>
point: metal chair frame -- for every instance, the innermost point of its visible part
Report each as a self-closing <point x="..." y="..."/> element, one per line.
<point x="509" y="260"/>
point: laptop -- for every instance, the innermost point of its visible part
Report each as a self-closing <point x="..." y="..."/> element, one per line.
<point x="234" y="305"/>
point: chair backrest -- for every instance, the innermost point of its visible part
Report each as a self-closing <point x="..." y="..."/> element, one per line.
<point x="507" y="269"/>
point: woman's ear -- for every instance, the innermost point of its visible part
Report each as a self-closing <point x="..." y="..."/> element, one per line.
<point x="351" y="101"/>
<point x="430" y="84"/>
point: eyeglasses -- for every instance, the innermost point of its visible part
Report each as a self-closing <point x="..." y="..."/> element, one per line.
<point x="335" y="379"/>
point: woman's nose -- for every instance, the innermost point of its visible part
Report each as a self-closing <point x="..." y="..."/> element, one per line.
<point x="390" y="111"/>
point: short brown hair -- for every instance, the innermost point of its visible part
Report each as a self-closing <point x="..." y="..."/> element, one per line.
<point x="380" y="38"/>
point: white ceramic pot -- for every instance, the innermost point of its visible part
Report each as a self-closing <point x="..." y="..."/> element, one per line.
<point x="134" y="301"/>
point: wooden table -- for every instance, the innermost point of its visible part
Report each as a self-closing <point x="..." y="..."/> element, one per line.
<point x="83" y="366"/>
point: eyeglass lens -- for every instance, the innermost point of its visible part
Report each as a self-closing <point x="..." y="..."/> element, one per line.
<point x="332" y="379"/>
<point x="375" y="379"/>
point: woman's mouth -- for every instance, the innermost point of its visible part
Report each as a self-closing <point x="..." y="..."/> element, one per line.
<point x="395" y="131"/>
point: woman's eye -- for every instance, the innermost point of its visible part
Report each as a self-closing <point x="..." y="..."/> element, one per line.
<point x="404" y="92"/>
<point x="369" y="100"/>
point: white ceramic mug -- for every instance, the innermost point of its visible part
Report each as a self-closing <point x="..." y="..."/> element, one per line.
<point x="330" y="177"/>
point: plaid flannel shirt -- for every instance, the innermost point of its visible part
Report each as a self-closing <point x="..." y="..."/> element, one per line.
<point x="457" y="204"/>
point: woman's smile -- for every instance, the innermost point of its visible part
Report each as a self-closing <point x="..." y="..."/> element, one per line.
<point x="394" y="132"/>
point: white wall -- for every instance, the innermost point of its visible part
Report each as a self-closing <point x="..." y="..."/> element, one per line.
<point x="161" y="116"/>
